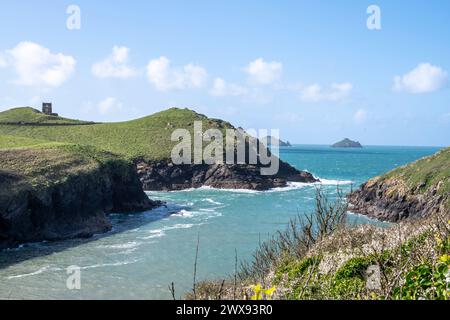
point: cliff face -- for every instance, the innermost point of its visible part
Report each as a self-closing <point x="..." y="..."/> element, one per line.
<point x="163" y="175"/>
<point x="59" y="195"/>
<point x="412" y="191"/>
<point x="385" y="201"/>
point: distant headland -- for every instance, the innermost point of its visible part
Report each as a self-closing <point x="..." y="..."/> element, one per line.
<point x="347" y="143"/>
<point x="272" y="141"/>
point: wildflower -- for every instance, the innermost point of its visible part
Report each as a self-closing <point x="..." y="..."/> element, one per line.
<point x="445" y="258"/>
<point x="257" y="290"/>
<point x="260" y="293"/>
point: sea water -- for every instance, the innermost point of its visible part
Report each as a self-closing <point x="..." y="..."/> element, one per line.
<point x="145" y="253"/>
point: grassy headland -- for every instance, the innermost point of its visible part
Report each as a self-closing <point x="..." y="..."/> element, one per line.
<point x="414" y="190"/>
<point x="53" y="190"/>
<point x="148" y="138"/>
<point x="28" y="115"/>
<point x="423" y="175"/>
<point x="43" y="163"/>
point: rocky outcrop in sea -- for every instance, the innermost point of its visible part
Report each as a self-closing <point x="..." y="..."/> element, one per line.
<point x="164" y="175"/>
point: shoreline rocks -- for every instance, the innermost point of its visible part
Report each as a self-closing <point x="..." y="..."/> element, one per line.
<point x="165" y="176"/>
<point x="386" y="201"/>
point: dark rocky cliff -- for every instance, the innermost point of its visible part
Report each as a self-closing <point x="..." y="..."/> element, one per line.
<point x="412" y="191"/>
<point x="381" y="200"/>
<point x="163" y="175"/>
<point x="72" y="201"/>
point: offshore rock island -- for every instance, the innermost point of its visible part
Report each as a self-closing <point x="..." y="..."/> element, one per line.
<point x="347" y="143"/>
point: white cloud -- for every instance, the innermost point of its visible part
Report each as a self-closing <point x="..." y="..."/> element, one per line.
<point x="115" y="66"/>
<point x="109" y="105"/>
<point x="222" y="88"/>
<point x="164" y="78"/>
<point x="422" y="79"/>
<point x="35" y="65"/>
<point x="360" y="116"/>
<point x="315" y="93"/>
<point x="262" y="73"/>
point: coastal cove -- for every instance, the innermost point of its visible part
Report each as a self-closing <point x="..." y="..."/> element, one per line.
<point x="144" y="253"/>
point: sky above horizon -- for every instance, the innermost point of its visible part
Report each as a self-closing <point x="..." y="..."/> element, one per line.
<point x="312" y="69"/>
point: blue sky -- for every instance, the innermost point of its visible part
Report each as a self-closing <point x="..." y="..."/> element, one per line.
<point x="310" y="68"/>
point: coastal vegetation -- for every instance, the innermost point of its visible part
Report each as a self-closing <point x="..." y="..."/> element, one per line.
<point x="424" y="174"/>
<point x="59" y="178"/>
<point x="53" y="191"/>
<point x="147" y="143"/>
<point x="322" y="256"/>
<point x="414" y="190"/>
<point x="28" y="115"/>
<point x="147" y="138"/>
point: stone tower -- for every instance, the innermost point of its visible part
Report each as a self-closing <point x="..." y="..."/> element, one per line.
<point x="47" y="108"/>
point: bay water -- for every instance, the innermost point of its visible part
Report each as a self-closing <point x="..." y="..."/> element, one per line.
<point x="146" y="252"/>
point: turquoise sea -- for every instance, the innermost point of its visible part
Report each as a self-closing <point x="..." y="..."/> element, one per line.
<point x="145" y="252"/>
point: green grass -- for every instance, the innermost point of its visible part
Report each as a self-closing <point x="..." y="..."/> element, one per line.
<point x="9" y="142"/>
<point x="425" y="173"/>
<point x="46" y="164"/>
<point x="148" y="138"/>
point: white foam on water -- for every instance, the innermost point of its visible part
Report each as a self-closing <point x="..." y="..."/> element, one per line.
<point x="210" y="213"/>
<point x="212" y="201"/>
<point x="299" y="185"/>
<point x="180" y="226"/>
<point x="208" y="188"/>
<point x="128" y="251"/>
<point x="128" y="245"/>
<point x="158" y="233"/>
<point x="184" y="214"/>
<point x="328" y="182"/>
<point x="291" y="185"/>
<point x="39" y="271"/>
<point x="48" y="268"/>
<point x="114" y="264"/>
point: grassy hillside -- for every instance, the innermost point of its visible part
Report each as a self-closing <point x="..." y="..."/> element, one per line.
<point x="46" y="163"/>
<point x="9" y="142"/>
<point x="29" y="115"/>
<point x="424" y="174"/>
<point x="147" y="138"/>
